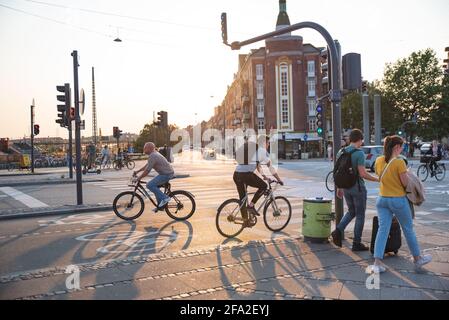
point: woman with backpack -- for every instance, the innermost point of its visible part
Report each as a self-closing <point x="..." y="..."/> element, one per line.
<point x="392" y="201"/>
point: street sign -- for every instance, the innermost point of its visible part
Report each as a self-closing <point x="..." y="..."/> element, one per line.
<point x="82" y="102"/>
<point x="305" y="137"/>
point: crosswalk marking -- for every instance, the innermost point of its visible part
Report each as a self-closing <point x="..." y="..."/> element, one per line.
<point x="27" y="200"/>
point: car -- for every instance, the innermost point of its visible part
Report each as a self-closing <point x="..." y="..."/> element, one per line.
<point x="371" y="154"/>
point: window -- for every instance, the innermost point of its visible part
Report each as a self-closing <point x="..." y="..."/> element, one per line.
<point x="259" y="88"/>
<point x="261" y="125"/>
<point x="312" y="124"/>
<point x="311" y="68"/>
<point x="284" y="111"/>
<point x="284" y="84"/>
<point x="259" y="72"/>
<point x="260" y="107"/>
<point x="311" y="86"/>
<point x="312" y="107"/>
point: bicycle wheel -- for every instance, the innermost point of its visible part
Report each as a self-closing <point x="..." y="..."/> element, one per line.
<point x="422" y="172"/>
<point x="128" y="205"/>
<point x="181" y="205"/>
<point x="330" y="181"/>
<point x="130" y="164"/>
<point x="229" y="219"/>
<point x="440" y="172"/>
<point x="277" y="213"/>
<point x="117" y="165"/>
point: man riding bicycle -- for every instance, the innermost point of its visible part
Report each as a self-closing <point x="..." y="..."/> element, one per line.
<point x="436" y="152"/>
<point x="157" y="162"/>
<point x="249" y="156"/>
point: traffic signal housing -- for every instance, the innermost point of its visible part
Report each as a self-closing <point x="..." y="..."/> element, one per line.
<point x="63" y="109"/>
<point x="364" y="86"/>
<point x="319" y="120"/>
<point x="162" y="119"/>
<point x="116" y="132"/>
<point x="224" y="28"/>
<point x="36" y="129"/>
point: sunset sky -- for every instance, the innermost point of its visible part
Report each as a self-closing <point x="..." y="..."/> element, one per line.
<point x="171" y="57"/>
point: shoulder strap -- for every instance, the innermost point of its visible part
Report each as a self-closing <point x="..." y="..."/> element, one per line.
<point x="385" y="170"/>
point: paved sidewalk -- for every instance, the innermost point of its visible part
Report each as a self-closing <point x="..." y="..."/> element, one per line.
<point x="283" y="268"/>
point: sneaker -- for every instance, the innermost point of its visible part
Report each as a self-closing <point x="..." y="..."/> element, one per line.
<point x="336" y="237"/>
<point x="425" y="259"/>
<point x="375" y="269"/>
<point x="252" y="211"/>
<point x="164" y="202"/>
<point x="359" y="247"/>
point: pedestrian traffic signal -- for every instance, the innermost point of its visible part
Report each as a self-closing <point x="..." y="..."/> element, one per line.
<point x="116" y="132"/>
<point x="319" y="120"/>
<point x="63" y="109"/>
<point x="224" y="28"/>
<point x="36" y="129"/>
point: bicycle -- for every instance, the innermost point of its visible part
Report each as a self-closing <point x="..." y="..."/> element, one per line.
<point x="330" y="181"/>
<point x="129" y="205"/>
<point x="276" y="209"/>
<point x="439" y="173"/>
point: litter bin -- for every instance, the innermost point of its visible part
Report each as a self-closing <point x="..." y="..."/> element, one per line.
<point x="316" y="219"/>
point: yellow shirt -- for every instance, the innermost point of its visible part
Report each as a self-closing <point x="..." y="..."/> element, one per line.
<point x="390" y="184"/>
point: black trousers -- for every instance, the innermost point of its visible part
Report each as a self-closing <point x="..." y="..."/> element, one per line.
<point x="244" y="179"/>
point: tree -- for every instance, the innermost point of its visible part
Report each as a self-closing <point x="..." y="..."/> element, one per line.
<point x="153" y="133"/>
<point x="413" y="84"/>
<point x="438" y="125"/>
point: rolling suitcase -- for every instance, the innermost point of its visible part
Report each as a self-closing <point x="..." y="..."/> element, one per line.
<point x="394" y="237"/>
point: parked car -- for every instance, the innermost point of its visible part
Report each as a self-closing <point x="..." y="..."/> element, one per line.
<point x="371" y="154"/>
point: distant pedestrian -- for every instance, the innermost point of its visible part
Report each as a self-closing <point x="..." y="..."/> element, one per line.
<point x="392" y="201"/>
<point x="299" y="151"/>
<point x="329" y="152"/>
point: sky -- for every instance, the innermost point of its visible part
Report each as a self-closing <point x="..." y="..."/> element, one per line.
<point x="171" y="56"/>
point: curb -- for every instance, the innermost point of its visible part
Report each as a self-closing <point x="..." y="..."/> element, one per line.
<point x="56" y="211"/>
<point x="33" y="183"/>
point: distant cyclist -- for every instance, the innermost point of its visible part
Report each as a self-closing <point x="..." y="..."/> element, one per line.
<point x="249" y="156"/>
<point x="437" y="153"/>
<point x="157" y="162"/>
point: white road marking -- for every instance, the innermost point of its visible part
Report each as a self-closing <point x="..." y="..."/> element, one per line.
<point x="22" y="197"/>
<point x="439" y="209"/>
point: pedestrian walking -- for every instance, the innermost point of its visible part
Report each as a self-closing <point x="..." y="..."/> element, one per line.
<point x="392" y="201"/>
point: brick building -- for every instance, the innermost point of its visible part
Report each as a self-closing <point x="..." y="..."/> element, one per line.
<point x="276" y="87"/>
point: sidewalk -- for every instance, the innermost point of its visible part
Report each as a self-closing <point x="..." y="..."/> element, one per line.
<point x="282" y="268"/>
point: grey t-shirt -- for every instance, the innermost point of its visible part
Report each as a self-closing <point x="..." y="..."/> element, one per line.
<point x="158" y="162"/>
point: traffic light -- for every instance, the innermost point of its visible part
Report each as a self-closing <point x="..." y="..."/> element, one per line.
<point x="319" y="120"/>
<point x="72" y="113"/>
<point x="36" y="129"/>
<point x="400" y="132"/>
<point x="364" y="86"/>
<point x="224" y="28"/>
<point x="116" y="132"/>
<point x="63" y="109"/>
<point x="162" y="119"/>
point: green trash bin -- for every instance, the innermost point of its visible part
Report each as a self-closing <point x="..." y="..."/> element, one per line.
<point x="316" y="219"/>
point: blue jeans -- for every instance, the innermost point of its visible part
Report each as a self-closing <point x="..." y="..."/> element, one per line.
<point x="153" y="184"/>
<point x="356" y="202"/>
<point x="386" y="208"/>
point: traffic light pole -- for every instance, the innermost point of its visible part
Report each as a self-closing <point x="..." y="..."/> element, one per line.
<point x="79" y="187"/>
<point x="32" y="137"/>
<point x="70" y="152"/>
<point x="335" y="92"/>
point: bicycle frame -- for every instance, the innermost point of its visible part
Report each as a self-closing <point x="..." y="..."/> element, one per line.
<point x="139" y="187"/>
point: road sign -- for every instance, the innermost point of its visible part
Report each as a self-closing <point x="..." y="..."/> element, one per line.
<point x="82" y="103"/>
<point x="305" y="137"/>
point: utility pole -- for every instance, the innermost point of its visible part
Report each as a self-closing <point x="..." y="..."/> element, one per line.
<point x="32" y="137"/>
<point x="366" y="133"/>
<point x="94" y="111"/>
<point x="79" y="187"/>
<point x="377" y="120"/>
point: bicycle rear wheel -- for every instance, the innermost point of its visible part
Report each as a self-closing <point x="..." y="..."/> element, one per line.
<point x="330" y="181"/>
<point x="440" y="172"/>
<point x="229" y="219"/>
<point x="130" y="164"/>
<point x="422" y="172"/>
<point x="277" y="213"/>
<point x="128" y="205"/>
<point x="181" y="205"/>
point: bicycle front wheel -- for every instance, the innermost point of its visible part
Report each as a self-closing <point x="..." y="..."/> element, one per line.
<point x="277" y="213"/>
<point x="229" y="219"/>
<point x="181" y="205"/>
<point x="128" y="205"/>
<point x="422" y="172"/>
<point x="130" y="164"/>
<point x="440" y="172"/>
<point x="330" y="181"/>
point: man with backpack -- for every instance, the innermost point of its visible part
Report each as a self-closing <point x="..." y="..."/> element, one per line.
<point x="349" y="175"/>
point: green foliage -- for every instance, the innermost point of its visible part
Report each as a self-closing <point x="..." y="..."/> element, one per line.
<point x="153" y="133"/>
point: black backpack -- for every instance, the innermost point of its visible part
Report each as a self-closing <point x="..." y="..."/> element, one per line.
<point x="345" y="176"/>
<point x="245" y="153"/>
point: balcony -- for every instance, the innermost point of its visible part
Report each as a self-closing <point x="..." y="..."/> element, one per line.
<point x="325" y="80"/>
